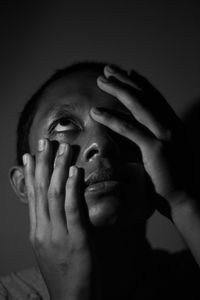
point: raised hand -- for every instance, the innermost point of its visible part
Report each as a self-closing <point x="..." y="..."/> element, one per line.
<point x="58" y="230"/>
<point x="153" y="126"/>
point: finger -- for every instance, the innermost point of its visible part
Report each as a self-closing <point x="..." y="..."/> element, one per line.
<point x="43" y="172"/>
<point x="29" y="170"/>
<point x="158" y="101"/>
<point x="73" y="202"/>
<point x="132" y="77"/>
<point x="133" y="100"/>
<point x="143" y="83"/>
<point x="121" y="75"/>
<point x="131" y="129"/>
<point x="56" y="193"/>
<point x="135" y="79"/>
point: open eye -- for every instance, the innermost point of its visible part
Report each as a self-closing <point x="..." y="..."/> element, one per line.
<point x="65" y="125"/>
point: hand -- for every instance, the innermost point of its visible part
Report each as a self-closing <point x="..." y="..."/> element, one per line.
<point x="153" y="126"/>
<point x="57" y="230"/>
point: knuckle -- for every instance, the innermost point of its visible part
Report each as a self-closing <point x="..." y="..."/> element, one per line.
<point x="69" y="184"/>
<point x="53" y="194"/>
<point x="128" y="125"/>
<point x="71" y="209"/>
<point x="125" y="126"/>
<point x="39" y="239"/>
<point x="30" y="194"/>
<point x="40" y="187"/>
<point x="125" y="94"/>
<point x="55" y="241"/>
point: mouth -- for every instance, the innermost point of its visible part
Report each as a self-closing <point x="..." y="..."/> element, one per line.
<point x="102" y="181"/>
<point x="103" y="187"/>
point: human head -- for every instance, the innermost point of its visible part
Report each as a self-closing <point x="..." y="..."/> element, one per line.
<point x="97" y="147"/>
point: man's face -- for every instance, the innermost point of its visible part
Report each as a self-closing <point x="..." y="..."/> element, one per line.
<point x="105" y="156"/>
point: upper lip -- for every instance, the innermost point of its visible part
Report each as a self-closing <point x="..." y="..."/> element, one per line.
<point x="101" y="175"/>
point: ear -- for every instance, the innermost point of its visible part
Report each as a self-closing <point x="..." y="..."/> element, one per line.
<point x="17" y="180"/>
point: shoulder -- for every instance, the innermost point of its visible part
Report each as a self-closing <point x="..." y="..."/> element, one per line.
<point x="23" y="284"/>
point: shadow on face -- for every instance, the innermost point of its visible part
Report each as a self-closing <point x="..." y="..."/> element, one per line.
<point x="116" y="186"/>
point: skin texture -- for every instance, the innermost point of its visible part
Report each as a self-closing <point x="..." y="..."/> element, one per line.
<point x="80" y="239"/>
<point x="95" y="148"/>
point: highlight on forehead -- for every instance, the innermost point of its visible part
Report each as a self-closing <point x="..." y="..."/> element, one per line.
<point x="79" y="85"/>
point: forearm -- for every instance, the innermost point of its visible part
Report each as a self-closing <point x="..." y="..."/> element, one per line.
<point x="186" y="218"/>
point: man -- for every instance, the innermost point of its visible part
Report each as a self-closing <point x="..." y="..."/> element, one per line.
<point x="101" y="151"/>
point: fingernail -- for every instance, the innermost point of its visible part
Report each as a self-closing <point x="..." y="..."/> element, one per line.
<point x="25" y="159"/>
<point x="72" y="171"/>
<point x="41" y="144"/>
<point x="103" y="79"/>
<point x="96" y="111"/>
<point x="62" y="148"/>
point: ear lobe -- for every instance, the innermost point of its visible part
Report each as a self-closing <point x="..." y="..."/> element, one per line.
<point x="17" y="180"/>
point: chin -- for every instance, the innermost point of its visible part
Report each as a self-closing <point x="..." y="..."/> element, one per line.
<point x="103" y="211"/>
<point x="110" y="211"/>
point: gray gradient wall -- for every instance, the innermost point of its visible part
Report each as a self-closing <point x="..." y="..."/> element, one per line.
<point x="160" y="39"/>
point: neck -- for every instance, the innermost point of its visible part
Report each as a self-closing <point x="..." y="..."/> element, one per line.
<point x="121" y="255"/>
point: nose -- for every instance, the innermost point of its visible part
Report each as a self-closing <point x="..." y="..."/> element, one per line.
<point x="99" y="142"/>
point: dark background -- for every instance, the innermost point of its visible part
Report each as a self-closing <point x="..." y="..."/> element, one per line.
<point x="160" y="39"/>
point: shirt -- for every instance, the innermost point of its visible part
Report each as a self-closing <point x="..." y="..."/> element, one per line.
<point x="166" y="276"/>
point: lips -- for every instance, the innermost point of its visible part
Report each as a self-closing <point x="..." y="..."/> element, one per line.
<point x="101" y="175"/>
<point x="103" y="180"/>
<point x="103" y="187"/>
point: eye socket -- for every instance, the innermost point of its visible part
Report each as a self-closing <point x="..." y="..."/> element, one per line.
<point x="64" y="124"/>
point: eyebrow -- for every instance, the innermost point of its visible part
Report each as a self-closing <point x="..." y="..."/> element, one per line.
<point x="60" y="110"/>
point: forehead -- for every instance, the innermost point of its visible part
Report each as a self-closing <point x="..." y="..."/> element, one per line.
<point x="79" y="88"/>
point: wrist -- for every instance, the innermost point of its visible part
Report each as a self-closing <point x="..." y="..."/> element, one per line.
<point x="186" y="218"/>
<point x="184" y="207"/>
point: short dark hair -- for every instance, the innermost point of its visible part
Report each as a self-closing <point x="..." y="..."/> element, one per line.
<point x="29" y="111"/>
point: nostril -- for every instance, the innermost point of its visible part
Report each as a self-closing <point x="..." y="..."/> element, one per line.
<point x="92" y="153"/>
